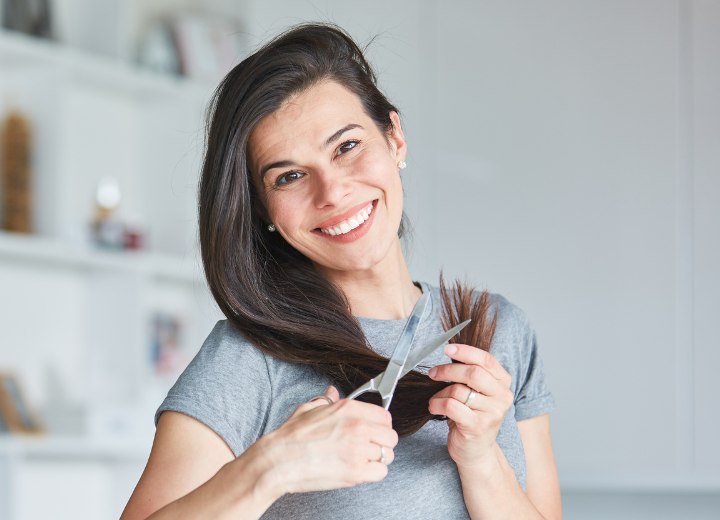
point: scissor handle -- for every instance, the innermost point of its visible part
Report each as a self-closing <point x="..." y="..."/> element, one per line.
<point x="367" y="387"/>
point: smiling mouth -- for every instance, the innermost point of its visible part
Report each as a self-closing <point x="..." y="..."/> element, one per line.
<point x="351" y="223"/>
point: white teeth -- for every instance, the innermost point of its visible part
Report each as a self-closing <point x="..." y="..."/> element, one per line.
<point x="349" y="224"/>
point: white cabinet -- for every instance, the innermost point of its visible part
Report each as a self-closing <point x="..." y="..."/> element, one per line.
<point x="76" y="321"/>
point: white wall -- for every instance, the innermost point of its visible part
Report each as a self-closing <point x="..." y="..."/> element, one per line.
<point x="564" y="153"/>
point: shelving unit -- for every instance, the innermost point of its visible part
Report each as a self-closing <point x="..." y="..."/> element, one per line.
<point x="77" y="319"/>
<point x="18" y="50"/>
<point x="55" y="254"/>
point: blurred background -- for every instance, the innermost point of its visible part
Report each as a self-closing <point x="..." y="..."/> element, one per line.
<point x="563" y="153"/>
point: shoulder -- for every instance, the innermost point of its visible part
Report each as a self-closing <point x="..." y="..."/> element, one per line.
<point x="225" y="348"/>
<point x="225" y="359"/>
<point x="226" y="386"/>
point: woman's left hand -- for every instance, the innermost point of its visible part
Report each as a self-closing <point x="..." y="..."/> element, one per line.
<point x="475" y="405"/>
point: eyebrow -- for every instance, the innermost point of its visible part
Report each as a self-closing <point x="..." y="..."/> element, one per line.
<point x="330" y="140"/>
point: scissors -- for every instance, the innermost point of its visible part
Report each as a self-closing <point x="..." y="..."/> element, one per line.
<point x="401" y="362"/>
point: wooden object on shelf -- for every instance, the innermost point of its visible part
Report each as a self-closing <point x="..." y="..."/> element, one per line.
<point x="16" y="416"/>
<point x="16" y="174"/>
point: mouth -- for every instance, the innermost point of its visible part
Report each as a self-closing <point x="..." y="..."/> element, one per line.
<point x="352" y="226"/>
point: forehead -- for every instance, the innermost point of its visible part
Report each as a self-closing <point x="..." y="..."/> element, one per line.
<point x="309" y="118"/>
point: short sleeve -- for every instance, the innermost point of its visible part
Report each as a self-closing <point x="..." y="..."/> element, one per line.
<point x="515" y="345"/>
<point x="226" y="387"/>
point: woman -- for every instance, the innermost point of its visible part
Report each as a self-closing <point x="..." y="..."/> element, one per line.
<point x="301" y="212"/>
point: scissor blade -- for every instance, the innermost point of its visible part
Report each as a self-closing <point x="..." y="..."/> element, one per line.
<point x="393" y="372"/>
<point x="428" y="348"/>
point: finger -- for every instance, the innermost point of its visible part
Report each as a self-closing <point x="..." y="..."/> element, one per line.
<point x="475" y="356"/>
<point x="367" y="411"/>
<point x="358" y="430"/>
<point x="452" y="409"/>
<point x="332" y="393"/>
<point x="473" y="376"/>
<point x="372" y="452"/>
<point x="330" y="396"/>
<point x="478" y="402"/>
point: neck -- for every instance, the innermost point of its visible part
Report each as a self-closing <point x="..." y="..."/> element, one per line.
<point x="384" y="292"/>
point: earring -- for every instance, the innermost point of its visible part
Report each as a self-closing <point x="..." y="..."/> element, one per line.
<point x="271" y="228"/>
<point x="402" y="165"/>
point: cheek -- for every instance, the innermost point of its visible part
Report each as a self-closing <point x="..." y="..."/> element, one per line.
<point x="283" y="210"/>
<point x="377" y="168"/>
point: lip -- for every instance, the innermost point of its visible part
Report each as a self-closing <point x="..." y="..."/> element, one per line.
<point x="345" y="215"/>
<point x="354" y="234"/>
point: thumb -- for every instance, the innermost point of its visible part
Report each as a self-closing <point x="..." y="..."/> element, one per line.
<point x="332" y="393"/>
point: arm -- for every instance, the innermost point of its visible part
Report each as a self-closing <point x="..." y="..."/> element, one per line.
<point x="184" y="479"/>
<point x="191" y="472"/>
<point x="490" y="488"/>
<point x="542" y="483"/>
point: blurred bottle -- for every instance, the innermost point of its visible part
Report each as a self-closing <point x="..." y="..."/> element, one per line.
<point x="16" y="173"/>
<point x="107" y="230"/>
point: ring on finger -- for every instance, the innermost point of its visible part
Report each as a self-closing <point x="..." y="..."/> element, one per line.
<point x="382" y="455"/>
<point x="470" y="397"/>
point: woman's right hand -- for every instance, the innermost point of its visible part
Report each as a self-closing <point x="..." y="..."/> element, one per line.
<point x="327" y="446"/>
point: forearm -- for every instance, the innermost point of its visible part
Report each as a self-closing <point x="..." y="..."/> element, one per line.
<point x="491" y="490"/>
<point x="239" y="490"/>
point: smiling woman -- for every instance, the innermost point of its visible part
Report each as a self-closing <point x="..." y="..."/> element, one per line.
<point x="301" y="214"/>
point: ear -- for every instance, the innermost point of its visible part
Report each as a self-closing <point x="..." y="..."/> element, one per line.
<point x="396" y="138"/>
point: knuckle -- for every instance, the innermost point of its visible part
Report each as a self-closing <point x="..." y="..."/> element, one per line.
<point x="343" y="404"/>
<point x="352" y="425"/>
<point x="476" y="372"/>
<point x="395" y="438"/>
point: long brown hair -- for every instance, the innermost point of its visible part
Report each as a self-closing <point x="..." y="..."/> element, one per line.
<point x="269" y="291"/>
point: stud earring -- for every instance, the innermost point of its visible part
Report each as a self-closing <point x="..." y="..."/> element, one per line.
<point x="402" y="165"/>
<point x="271" y="228"/>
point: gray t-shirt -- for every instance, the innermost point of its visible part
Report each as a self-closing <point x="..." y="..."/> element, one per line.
<point x="242" y="394"/>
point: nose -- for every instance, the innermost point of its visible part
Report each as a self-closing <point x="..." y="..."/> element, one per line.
<point x="331" y="187"/>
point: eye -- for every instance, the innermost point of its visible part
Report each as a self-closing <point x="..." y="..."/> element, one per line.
<point x="288" y="177"/>
<point x="346" y="146"/>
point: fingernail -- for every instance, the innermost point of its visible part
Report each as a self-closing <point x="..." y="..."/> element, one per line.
<point x="432" y="372"/>
<point x="450" y="349"/>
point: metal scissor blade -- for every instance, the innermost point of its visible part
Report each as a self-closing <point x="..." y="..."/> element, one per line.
<point x="393" y="372"/>
<point x="428" y="348"/>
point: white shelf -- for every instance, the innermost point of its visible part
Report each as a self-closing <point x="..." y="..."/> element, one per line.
<point x="20" y="50"/>
<point x="54" y="253"/>
<point x="73" y="448"/>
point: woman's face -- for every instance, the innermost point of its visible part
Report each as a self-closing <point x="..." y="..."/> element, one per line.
<point x="329" y="178"/>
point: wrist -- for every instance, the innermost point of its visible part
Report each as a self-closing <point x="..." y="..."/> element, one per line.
<point x="254" y="482"/>
<point x="483" y="469"/>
